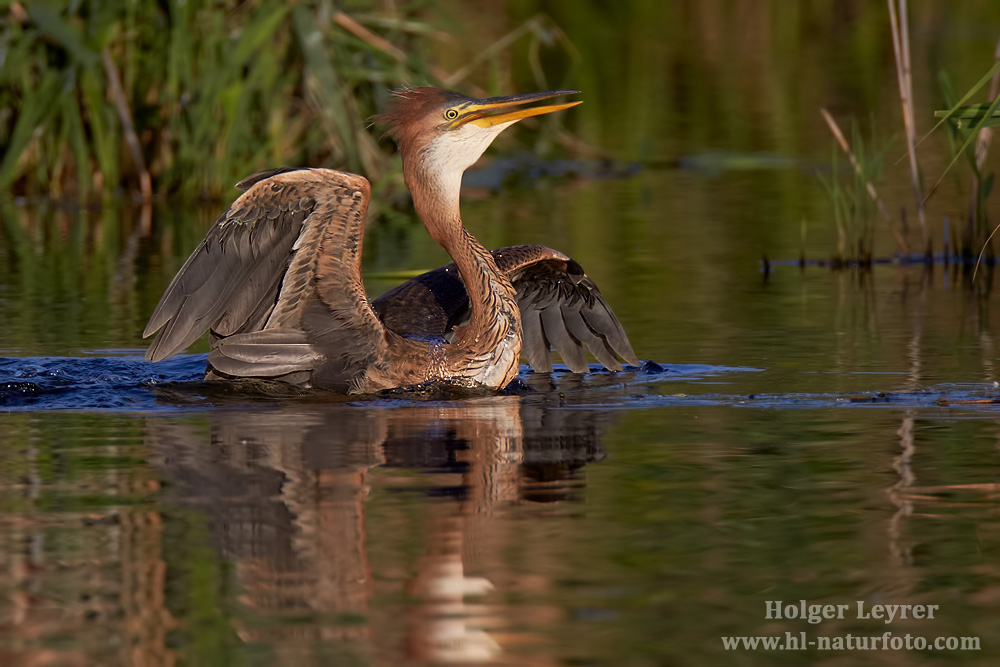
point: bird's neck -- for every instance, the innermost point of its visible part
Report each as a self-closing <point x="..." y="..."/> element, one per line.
<point x="490" y="292"/>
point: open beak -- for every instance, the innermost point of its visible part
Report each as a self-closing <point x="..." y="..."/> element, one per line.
<point x="491" y="111"/>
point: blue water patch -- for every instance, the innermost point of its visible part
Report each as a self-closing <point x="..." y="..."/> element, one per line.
<point x="130" y="383"/>
<point x="91" y="383"/>
<point x="127" y="382"/>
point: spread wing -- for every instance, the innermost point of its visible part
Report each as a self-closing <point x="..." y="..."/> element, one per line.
<point x="561" y="308"/>
<point x="249" y="281"/>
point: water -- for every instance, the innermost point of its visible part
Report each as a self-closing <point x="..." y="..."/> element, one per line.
<point x="803" y="435"/>
<point x="846" y="451"/>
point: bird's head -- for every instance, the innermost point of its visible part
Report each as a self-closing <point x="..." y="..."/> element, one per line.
<point x="442" y="133"/>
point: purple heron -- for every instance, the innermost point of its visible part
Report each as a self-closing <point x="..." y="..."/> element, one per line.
<point x="277" y="280"/>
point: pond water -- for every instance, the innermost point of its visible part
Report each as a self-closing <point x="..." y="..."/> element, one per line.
<point x="813" y="435"/>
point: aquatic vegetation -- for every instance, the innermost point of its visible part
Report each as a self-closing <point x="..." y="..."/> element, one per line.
<point x="187" y="98"/>
<point x="969" y="137"/>
<point x="853" y="197"/>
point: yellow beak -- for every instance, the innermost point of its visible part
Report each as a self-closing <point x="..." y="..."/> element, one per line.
<point x="484" y="112"/>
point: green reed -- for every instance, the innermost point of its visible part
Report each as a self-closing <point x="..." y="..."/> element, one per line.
<point x="97" y="97"/>
<point x="968" y="138"/>
<point x="851" y="197"/>
<point x="967" y="127"/>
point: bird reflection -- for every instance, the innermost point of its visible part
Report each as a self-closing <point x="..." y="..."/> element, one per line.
<point x="285" y="493"/>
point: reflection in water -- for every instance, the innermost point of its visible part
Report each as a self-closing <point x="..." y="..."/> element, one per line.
<point x="75" y="569"/>
<point x="285" y="492"/>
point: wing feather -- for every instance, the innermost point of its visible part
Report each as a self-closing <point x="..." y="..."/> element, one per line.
<point x="533" y="344"/>
<point x="567" y="346"/>
<point x="601" y="319"/>
<point x="258" y="259"/>
<point x="561" y="308"/>
<point x="597" y="345"/>
<point x="269" y="353"/>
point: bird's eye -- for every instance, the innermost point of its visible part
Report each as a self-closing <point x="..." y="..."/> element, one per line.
<point x="451" y="114"/>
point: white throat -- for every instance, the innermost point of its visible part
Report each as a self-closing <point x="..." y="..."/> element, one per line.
<point x="447" y="157"/>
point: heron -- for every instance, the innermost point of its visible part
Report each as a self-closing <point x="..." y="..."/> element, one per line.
<point x="277" y="279"/>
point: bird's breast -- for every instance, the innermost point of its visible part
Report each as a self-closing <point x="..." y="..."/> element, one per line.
<point x="495" y="363"/>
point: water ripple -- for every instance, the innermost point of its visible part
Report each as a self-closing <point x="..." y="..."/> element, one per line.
<point x="91" y="383"/>
<point x="129" y="383"/>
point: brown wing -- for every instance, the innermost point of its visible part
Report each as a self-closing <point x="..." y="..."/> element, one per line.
<point x="561" y="308"/>
<point x="230" y="282"/>
<point x="260" y="276"/>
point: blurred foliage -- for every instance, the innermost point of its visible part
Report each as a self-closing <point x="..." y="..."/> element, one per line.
<point x="679" y="78"/>
<point x="207" y="92"/>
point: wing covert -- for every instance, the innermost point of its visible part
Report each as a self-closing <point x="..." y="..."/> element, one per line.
<point x="567" y="313"/>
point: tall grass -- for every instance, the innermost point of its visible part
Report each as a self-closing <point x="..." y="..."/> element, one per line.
<point x="852" y="196"/>
<point x="969" y="138"/>
<point x="963" y="127"/>
<point x="188" y="97"/>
